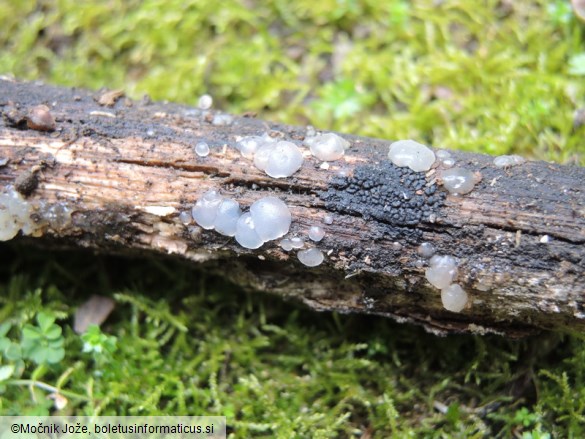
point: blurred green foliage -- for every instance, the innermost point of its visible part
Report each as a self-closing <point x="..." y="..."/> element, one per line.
<point x="486" y="76"/>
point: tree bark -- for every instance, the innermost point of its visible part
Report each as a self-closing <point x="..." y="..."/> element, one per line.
<point x="127" y="169"/>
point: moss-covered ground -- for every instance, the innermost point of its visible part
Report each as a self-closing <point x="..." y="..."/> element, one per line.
<point x="487" y="76"/>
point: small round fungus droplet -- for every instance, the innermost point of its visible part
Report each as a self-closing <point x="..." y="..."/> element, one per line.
<point x="205" y="102"/>
<point x="202" y="149"/>
<point x="311" y="257"/>
<point x="14" y="215"/>
<point x="448" y="163"/>
<point x="271" y="217"/>
<point x="443" y="154"/>
<point x="458" y="181"/>
<point x="249" y="145"/>
<point x="284" y="159"/>
<point x="227" y="217"/>
<point x="505" y="161"/>
<point x="327" y="147"/>
<point x="297" y="242"/>
<point x="205" y="209"/>
<point x="262" y="156"/>
<point x="246" y="232"/>
<point x="416" y="156"/>
<point x="441" y="271"/>
<point x="222" y="119"/>
<point x="286" y="245"/>
<point x="328" y="219"/>
<point x="316" y="233"/>
<point x="454" y="298"/>
<point x="185" y="217"/>
<point x="426" y="250"/>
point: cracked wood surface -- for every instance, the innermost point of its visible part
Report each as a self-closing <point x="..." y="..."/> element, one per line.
<point x="128" y="171"/>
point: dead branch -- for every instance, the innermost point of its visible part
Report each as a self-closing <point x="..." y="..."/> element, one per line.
<point x="125" y="170"/>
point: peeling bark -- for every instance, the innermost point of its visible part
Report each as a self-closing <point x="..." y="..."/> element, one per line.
<point x="127" y="170"/>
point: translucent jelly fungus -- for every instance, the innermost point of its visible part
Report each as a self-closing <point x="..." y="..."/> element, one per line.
<point x="328" y="219"/>
<point x="205" y="209"/>
<point x="448" y="163"/>
<point x="271" y="218"/>
<point x="505" y="161"/>
<point x="426" y="250"/>
<point x="14" y="215"/>
<point x="443" y="154"/>
<point x="222" y="119"/>
<point x="205" y="102"/>
<point x="416" y="156"/>
<point x="316" y="233"/>
<point x="454" y="298"/>
<point x="228" y="213"/>
<point x="280" y="160"/>
<point x="441" y="271"/>
<point x="458" y="181"/>
<point x="246" y="232"/>
<point x="311" y="257"/>
<point x="249" y="145"/>
<point x="286" y="245"/>
<point x="202" y="149"/>
<point x="185" y="217"/>
<point x="327" y="147"/>
<point x="297" y="242"/>
<point x="212" y="211"/>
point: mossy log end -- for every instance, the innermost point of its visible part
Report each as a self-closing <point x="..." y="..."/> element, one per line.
<point x="127" y="169"/>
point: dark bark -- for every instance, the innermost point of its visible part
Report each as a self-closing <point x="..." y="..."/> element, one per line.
<point x="127" y="169"/>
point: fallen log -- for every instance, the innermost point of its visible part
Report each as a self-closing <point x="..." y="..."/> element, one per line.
<point x="117" y="175"/>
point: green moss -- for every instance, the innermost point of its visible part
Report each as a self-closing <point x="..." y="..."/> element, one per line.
<point x="491" y="76"/>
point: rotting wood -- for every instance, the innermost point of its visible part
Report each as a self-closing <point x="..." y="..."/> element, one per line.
<point x="127" y="171"/>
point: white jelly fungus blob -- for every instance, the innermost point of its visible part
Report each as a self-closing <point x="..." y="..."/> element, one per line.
<point x="205" y="209"/>
<point x="505" y="161"/>
<point x="311" y="132"/>
<point x="426" y="250"/>
<point x="249" y="145"/>
<point x="448" y="163"/>
<point x="284" y="159"/>
<point x="222" y="119"/>
<point x="458" y="181"/>
<point x="416" y="156"/>
<point x="14" y="212"/>
<point x="185" y="217"/>
<point x="246" y="234"/>
<point x="271" y="218"/>
<point x="328" y="219"/>
<point x="202" y="149"/>
<point x="316" y="233"/>
<point x="327" y="147"/>
<point x="443" y="154"/>
<point x="454" y="298"/>
<point x="262" y="156"/>
<point x="311" y="257"/>
<point x="441" y="271"/>
<point x="297" y="242"/>
<point x="286" y="245"/>
<point x="226" y="219"/>
<point x="205" y="102"/>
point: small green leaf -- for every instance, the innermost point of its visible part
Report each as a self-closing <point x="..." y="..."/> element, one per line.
<point x="6" y="372"/>
<point x="45" y="321"/>
<point x="53" y="332"/>
<point x="4" y="328"/>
